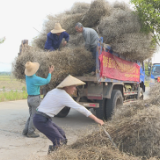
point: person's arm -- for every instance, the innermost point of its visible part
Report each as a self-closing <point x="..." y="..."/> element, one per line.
<point x="68" y="101"/>
<point x="48" y="44"/>
<point x="87" y="39"/>
<point x="96" y="119"/>
<point x="43" y="81"/>
<point x="66" y="36"/>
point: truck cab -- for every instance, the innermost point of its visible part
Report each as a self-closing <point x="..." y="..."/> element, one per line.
<point x="155" y="73"/>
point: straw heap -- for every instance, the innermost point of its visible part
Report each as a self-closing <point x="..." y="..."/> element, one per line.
<point x="118" y="24"/>
<point x="75" y="61"/>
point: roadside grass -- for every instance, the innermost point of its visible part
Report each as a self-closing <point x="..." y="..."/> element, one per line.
<point x="12" y="89"/>
<point x="12" y="96"/>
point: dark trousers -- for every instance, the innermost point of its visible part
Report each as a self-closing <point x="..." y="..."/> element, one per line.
<point x="48" y="128"/>
<point x="93" y="50"/>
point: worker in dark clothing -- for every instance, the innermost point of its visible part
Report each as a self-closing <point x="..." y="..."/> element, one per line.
<point x="54" y="38"/>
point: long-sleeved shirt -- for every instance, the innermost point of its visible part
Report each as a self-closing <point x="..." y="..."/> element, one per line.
<point x="56" y="100"/>
<point x="34" y="82"/>
<point x="53" y="41"/>
<point x="91" y="37"/>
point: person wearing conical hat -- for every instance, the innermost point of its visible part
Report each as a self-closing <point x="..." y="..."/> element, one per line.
<point x="54" y="38"/>
<point x="33" y="84"/>
<point x="52" y="104"/>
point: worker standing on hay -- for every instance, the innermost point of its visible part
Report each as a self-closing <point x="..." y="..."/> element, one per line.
<point x="52" y="104"/>
<point x="91" y="40"/>
<point x="33" y="84"/>
<point x="54" y="38"/>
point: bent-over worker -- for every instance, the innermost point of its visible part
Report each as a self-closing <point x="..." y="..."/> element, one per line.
<point x="33" y="84"/>
<point x="54" y="38"/>
<point x="91" y="40"/>
<point x="52" y="104"/>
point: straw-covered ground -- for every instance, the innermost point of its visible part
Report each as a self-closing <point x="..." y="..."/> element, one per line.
<point x="134" y="129"/>
<point x="117" y="24"/>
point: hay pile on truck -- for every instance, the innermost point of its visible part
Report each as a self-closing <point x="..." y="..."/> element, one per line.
<point x="120" y="28"/>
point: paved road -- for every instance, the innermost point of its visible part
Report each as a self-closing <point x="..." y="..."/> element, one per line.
<point x="14" y="146"/>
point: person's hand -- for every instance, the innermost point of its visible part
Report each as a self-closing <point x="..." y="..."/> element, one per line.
<point x="64" y="43"/>
<point x="96" y="119"/>
<point x="51" y="69"/>
<point x="99" y="121"/>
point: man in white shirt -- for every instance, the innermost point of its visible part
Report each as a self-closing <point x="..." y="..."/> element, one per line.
<point x="52" y="104"/>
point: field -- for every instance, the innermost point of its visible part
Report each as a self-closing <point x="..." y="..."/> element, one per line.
<point x="11" y="89"/>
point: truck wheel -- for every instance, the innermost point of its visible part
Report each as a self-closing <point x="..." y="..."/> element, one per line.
<point x="63" y="113"/>
<point x="100" y="112"/>
<point x="113" y="103"/>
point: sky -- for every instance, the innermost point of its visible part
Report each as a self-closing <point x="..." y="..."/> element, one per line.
<point x="20" y="19"/>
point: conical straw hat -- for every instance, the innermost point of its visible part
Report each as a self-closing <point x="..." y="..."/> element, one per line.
<point x="70" y="81"/>
<point x="31" y="68"/>
<point x="57" y="28"/>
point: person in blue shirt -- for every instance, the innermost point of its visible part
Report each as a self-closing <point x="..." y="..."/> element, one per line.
<point x="54" y="38"/>
<point x="33" y="84"/>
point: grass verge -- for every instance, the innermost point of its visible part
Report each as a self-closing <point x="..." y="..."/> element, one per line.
<point x="12" y="96"/>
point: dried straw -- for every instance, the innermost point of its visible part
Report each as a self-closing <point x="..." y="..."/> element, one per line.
<point x="78" y="7"/>
<point x="97" y="10"/>
<point x="75" y="61"/>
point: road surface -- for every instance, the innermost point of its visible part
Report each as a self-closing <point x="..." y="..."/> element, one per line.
<point x="15" y="146"/>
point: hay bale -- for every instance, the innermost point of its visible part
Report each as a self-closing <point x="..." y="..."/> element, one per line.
<point x="76" y="40"/>
<point x="69" y="22"/>
<point x="122" y="31"/>
<point x="74" y="61"/>
<point x="134" y="46"/>
<point x="121" y="5"/>
<point x="97" y="10"/>
<point x="78" y="7"/>
<point x="118" y="23"/>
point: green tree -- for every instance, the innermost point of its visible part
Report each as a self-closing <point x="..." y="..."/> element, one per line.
<point x="149" y="14"/>
<point x="2" y="40"/>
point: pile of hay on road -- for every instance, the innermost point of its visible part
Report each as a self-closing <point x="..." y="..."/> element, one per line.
<point x="75" y="61"/>
<point x="88" y="153"/>
<point x="139" y="134"/>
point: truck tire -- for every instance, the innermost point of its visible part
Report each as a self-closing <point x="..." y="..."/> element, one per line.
<point x="113" y="103"/>
<point x="100" y="112"/>
<point x="63" y="113"/>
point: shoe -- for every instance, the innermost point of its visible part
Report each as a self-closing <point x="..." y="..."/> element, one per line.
<point x="65" y="141"/>
<point x="24" y="132"/>
<point x="51" y="148"/>
<point x="32" y="135"/>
